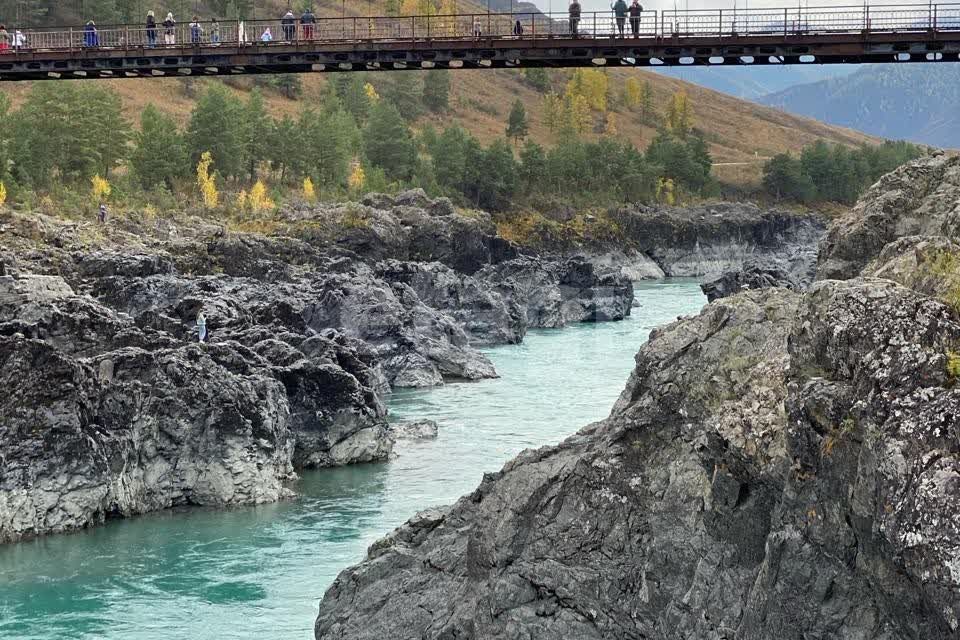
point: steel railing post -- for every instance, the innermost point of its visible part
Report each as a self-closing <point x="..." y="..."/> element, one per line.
<point x="785" y="23"/>
<point x="720" y="28"/>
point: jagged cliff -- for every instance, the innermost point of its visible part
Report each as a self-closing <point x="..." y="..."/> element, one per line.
<point x="113" y="408"/>
<point x="783" y="465"/>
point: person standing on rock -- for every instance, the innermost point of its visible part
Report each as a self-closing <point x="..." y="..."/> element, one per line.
<point x="102" y="213"/>
<point x="202" y="326"/>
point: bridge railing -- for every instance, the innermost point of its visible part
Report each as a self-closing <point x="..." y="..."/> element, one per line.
<point x="815" y="20"/>
<point x="504" y="26"/>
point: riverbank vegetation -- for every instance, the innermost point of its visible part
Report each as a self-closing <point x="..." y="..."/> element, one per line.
<point x="825" y="173"/>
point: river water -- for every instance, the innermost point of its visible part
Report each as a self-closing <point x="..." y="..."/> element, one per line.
<point x="257" y="573"/>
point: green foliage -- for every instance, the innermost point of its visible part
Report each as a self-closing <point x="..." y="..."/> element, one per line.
<point x="833" y="173"/>
<point x="159" y="155"/>
<point x="783" y="177"/>
<point x="405" y="91"/>
<point x="350" y="89"/>
<point x="684" y="159"/>
<point x="66" y="129"/>
<point x="218" y="125"/>
<point x="258" y="132"/>
<point x="324" y="142"/>
<point x="537" y="78"/>
<point x="388" y="143"/>
<point x="436" y="90"/>
<point x="953" y="366"/>
<point x="517" y="127"/>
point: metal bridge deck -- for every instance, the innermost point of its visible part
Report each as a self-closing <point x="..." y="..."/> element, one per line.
<point x="822" y="35"/>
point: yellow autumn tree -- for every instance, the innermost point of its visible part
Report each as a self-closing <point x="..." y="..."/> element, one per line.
<point x="577" y="113"/>
<point x="309" y="193"/>
<point x="632" y="92"/>
<point x="242" y="200"/>
<point x="371" y="93"/>
<point x="99" y="188"/>
<point x="680" y="114"/>
<point x="552" y="109"/>
<point x="592" y="85"/>
<point x="3" y="194"/>
<point x="357" y="179"/>
<point x="666" y="193"/>
<point x="610" y="125"/>
<point x="206" y="182"/>
<point x="259" y="198"/>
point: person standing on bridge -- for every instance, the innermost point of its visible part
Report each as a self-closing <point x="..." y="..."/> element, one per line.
<point x="267" y="36"/>
<point x="307" y="20"/>
<point x="636" y="11"/>
<point x="19" y="40"/>
<point x="90" y="36"/>
<point x="170" y="29"/>
<point x="575" y="11"/>
<point x="214" y="32"/>
<point x="619" y="9"/>
<point x="4" y="39"/>
<point x="196" y="31"/>
<point x="289" y="24"/>
<point x="151" y="30"/>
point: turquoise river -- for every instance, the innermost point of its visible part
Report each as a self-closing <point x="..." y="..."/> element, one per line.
<point x="258" y="573"/>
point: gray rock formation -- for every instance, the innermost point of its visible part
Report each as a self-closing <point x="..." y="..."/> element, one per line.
<point x="718" y="237"/>
<point x="554" y="294"/>
<point x="757" y="274"/>
<point x="116" y="409"/>
<point x="783" y="465"/>
<point x="417" y="430"/>
<point x="919" y="199"/>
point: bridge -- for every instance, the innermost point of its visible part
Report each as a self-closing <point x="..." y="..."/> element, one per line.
<point x="787" y="36"/>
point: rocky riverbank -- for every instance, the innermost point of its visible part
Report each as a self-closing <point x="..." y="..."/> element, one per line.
<point x="784" y="464"/>
<point x="114" y="408"/>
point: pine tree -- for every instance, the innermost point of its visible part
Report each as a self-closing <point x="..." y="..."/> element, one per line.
<point x="517" y="127"/>
<point x="646" y="103"/>
<point x="258" y="133"/>
<point x="436" y="90"/>
<point x="218" y="126"/>
<point x="405" y="91"/>
<point x="538" y="78"/>
<point x="388" y="143"/>
<point x="160" y="154"/>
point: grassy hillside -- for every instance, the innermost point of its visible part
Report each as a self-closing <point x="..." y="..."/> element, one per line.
<point x="741" y="134"/>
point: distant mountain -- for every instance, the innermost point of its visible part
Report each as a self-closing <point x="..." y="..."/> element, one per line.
<point x="916" y="102"/>
<point x="753" y="82"/>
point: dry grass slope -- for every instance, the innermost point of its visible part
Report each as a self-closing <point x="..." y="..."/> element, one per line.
<point x="741" y="134"/>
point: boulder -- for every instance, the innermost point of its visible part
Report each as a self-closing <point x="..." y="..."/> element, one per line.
<point x="417" y="430"/>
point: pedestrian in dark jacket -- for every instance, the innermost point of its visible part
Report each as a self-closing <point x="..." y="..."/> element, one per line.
<point x="575" y="11"/>
<point x="636" y="10"/>
<point x="307" y="20"/>
<point x="289" y="24"/>
<point x="151" y="29"/>
<point x="620" y="12"/>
